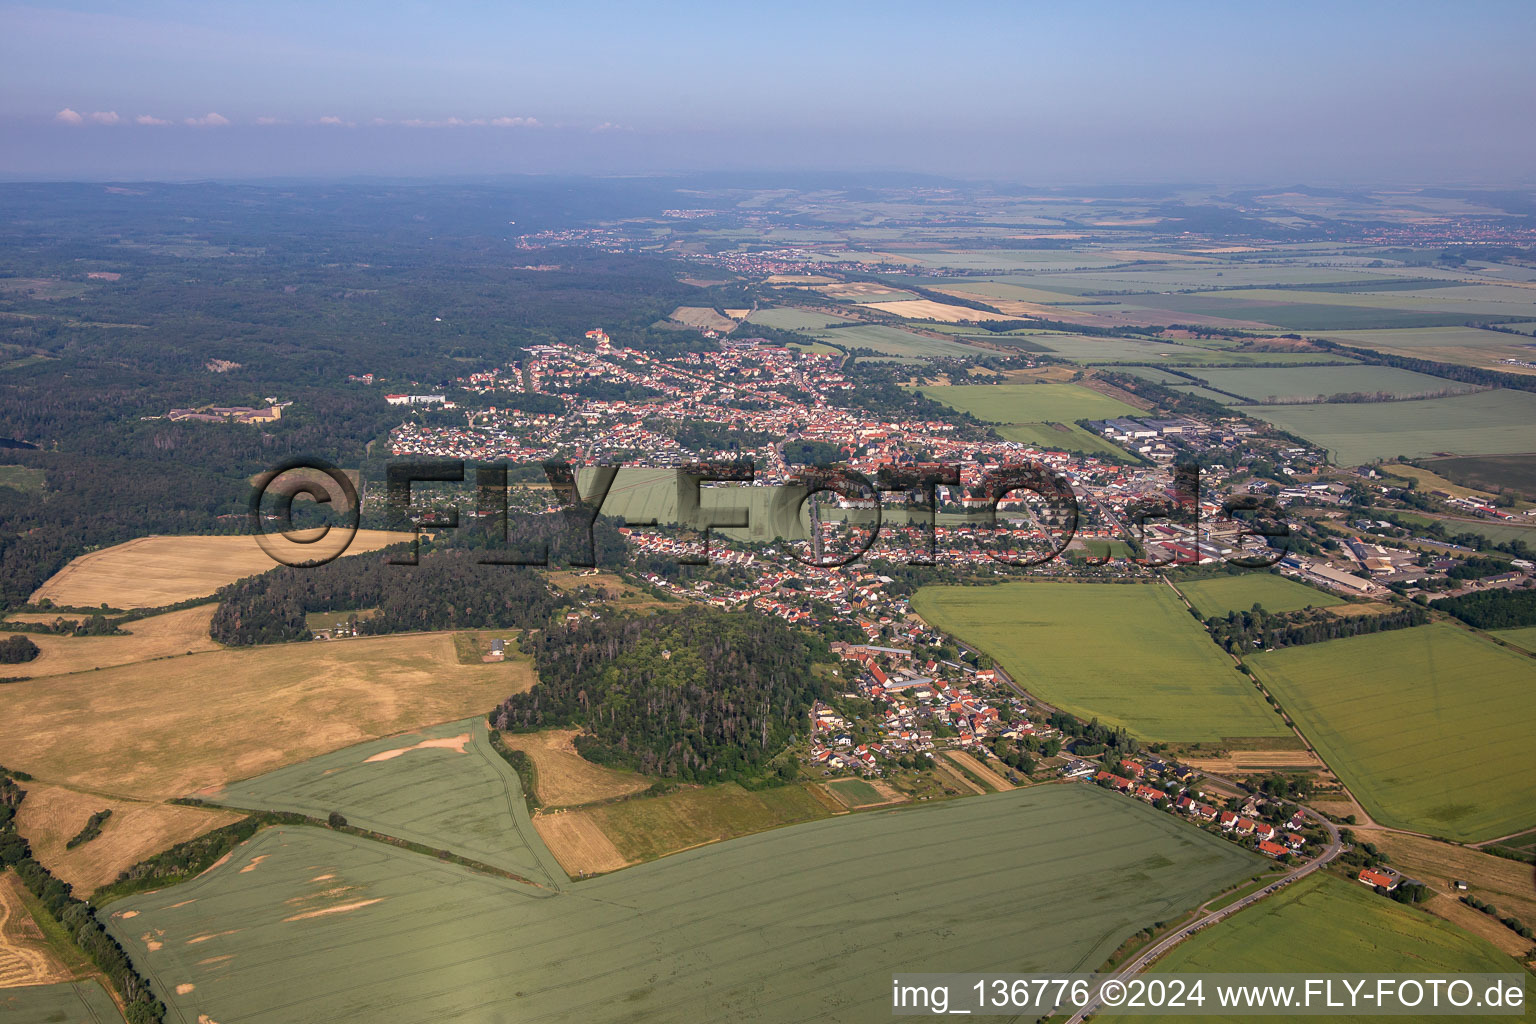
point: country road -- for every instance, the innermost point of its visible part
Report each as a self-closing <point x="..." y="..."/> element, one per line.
<point x="1157" y="949"/>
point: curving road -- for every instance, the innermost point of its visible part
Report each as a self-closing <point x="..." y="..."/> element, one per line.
<point x="1334" y="848"/>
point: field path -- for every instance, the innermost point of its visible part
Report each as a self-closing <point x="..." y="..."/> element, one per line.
<point x="24" y="960"/>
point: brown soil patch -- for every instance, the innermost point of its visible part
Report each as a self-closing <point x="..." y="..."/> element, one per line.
<point x="174" y="727"/>
<point x="1255" y="760"/>
<point x="566" y="779"/>
<point x="453" y="743"/>
<point x="340" y="908"/>
<point x="981" y="771"/>
<point x="153" y="571"/>
<point x="159" y="636"/>
<point x="578" y="844"/>
<point x="50" y="816"/>
<point x="25" y="958"/>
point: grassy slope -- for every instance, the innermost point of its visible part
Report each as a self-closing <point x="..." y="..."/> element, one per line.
<point x="1127" y="653"/>
<point x="1223" y="594"/>
<point x="1430" y="727"/>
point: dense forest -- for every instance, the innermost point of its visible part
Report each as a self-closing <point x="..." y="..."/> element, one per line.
<point x="450" y="588"/>
<point x="697" y="695"/>
<point x="1240" y="631"/>
<point x="1492" y="609"/>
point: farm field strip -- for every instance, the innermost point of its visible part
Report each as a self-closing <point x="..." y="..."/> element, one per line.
<point x="411" y="939"/>
<point x="1262" y="384"/>
<point x="157" y="636"/>
<point x="74" y="1002"/>
<point x="1046" y="401"/>
<point x="1429" y="727"/>
<point x="1129" y="654"/>
<point x="444" y="787"/>
<point x="1221" y="594"/>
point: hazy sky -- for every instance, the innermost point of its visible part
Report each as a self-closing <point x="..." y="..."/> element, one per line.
<point x="1043" y="93"/>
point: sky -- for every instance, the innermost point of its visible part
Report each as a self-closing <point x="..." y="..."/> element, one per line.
<point x="1059" y="93"/>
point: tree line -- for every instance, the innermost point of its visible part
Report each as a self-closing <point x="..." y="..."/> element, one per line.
<point x="1238" y="631"/>
<point x="1492" y="609"/>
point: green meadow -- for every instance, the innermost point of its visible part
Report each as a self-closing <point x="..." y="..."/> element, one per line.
<point x="1222" y="594"/>
<point x="1326" y="925"/>
<point x="73" y="1002"/>
<point x="1430" y="727"/>
<point x="1128" y="654"/>
<point x="1263" y="384"/>
<point x="791" y="924"/>
<point x="1044" y="402"/>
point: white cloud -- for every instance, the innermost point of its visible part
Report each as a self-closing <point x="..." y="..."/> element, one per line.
<point x="105" y="117"/>
<point x="516" y="122"/>
<point x="67" y="116"/>
<point x="609" y="126"/>
<point x="332" y="119"/>
<point x="208" y="120"/>
<point x="266" y="121"/>
<point x="148" y="119"/>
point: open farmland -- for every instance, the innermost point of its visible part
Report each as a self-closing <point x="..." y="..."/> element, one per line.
<point x="1279" y="383"/>
<point x="1045" y="402"/>
<point x="1127" y="653"/>
<point x="788" y="318"/>
<point x="1304" y="311"/>
<point x="1321" y="925"/>
<point x="1221" y="594"/>
<point x="1067" y="437"/>
<point x="789" y="924"/>
<point x="927" y="309"/>
<point x="157" y="636"/>
<point x="444" y="787"/>
<point x="893" y="341"/>
<point x="204" y="720"/>
<point x="650" y="827"/>
<point x="1488" y="422"/>
<point x="1491" y="472"/>
<point x="1467" y="346"/>
<point x="76" y="1002"/>
<point x="1523" y="637"/>
<point x="154" y="571"/>
<point x="51" y="816"/>
<point x="26" y="958"/>
<point x="1430" y="727"/>
<point x="566" y="779"/>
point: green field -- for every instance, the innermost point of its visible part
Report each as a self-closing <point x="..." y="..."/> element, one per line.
<point x="856" y="792"/>
<point x="78" y="1002"/>
<point x="1278" y="383"/>
<point x="1044" y="402"/>
<point x="469" y="803"/>
<point x="1066" y="437"/>
<point x="649" y="827"/>
<point x="1488" y="422"/>
<point x="1430" y="727"/>
<point x="642" y="494"/>
<point x="792" y="924"/>
<point x="1129" y="654"/>
<point x="1491" y="472"/>
<point x="1304" y="311"/>
<point x="1324" y="925"/>
<point x="893" y="341"/>
<point x="789" y="319"/>
<point x="1524" y="637"/>
<point x="1222" y="594"/>
<point x="22" y="478"/>
<point x="1468" y="346"/>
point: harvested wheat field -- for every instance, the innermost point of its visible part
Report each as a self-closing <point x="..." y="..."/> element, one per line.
<point x="50" y="816"/>
<point x="204" y="720"/>
<point x="578" y="844"/>
<point x="566" y="779"/>
<point x="25" y="958"/>
<point x="158" y="636"/>
<point x="154" y="571"/>
<point x="927" y="309"/>
<point x="986" y="774"/>
<point x="1255" y="760"/>
<point x="702" y="317"/>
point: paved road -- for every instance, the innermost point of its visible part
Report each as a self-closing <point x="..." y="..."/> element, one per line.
<point x="1157" y="949"/>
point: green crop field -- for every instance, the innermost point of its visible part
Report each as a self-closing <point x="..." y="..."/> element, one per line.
<point x="1222" y="594"/>
<point x="649" y="827"/>
<point x="642" y="494"/>
<point x="75" y="1002"/>
<point x="1068" y="437"/>
<point x="789" y="319"/>
<point x="893" y="341"/>
<point x="1490" y="472"/>
<point x="1430" y="727"/>
<point x="1304" y="311"/>
<point x="789" y="924"/>
<point x="1523" y="637"/>
<point x="1468" y="346"/>
<point x="856" y="792"/>
<point x="1129" y="654"/>
<point x="1045" y="402"/>
<point x="1326" y="925"/>
<point x="437" y="792"/>
<point x="1488" y="422"/>
<point x="22" y="478"/>
<point x="1263" y="384"/>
